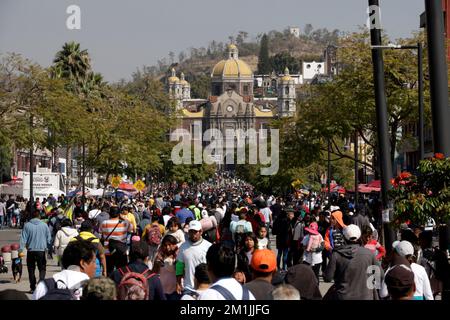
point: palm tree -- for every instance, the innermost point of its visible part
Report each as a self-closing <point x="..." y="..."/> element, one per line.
<point x="73" y="64"/>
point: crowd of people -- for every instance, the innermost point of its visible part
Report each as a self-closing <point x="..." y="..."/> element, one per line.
<point x="214" y="242"/>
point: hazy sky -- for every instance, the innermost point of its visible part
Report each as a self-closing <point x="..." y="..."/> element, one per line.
<point x="123" y="35"/>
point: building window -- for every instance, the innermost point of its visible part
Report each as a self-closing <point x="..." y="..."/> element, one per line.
<point x="246" y="92"/>
<point x="286" y="89"/>
<point x="287" y="105"/>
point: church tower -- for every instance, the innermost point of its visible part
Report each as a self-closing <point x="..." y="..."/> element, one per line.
<point x="286" y="96"/>
<point x="185" y="87"/>
<point x="175" y="88"/>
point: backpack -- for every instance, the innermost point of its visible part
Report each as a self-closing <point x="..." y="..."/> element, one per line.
<point x="134" y="285"/>
<point x="154" y="236"/>
<point x="228" y="295"/>
<point x="57" y="224"/>
<point x="55" y="293"/>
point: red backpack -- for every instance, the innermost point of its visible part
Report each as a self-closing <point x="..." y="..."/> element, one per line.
<point x="154" y="236"/>
<point x="134" y="285"/>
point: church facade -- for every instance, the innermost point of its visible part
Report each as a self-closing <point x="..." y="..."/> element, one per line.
<point x="231" y="104"/>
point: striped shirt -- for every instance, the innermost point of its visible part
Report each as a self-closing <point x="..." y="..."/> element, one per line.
<point x="120" y="232"/>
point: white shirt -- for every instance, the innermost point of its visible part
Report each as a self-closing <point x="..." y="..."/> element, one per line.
<point x="247" y="226"/>
<point x="231" y="285"/>
<point x="72" y="278"/>
<point x="220" y="210"/>
<point x="94" y="213"/>
<point x="166" y="219"/>
<point x="192" y="254"/>
<point x="423" y="287"/>
<point x="63" y="237"/>
<point x="262" y="243"/>
<point x="312" y="258"/>
<point x="267" y="213"/>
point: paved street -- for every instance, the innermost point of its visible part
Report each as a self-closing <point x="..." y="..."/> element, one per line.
<point x="9" y="236"/>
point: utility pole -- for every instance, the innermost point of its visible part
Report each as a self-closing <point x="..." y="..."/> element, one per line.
<point x="356" y="171"/>
<point x="438" y="76"/>
<point x="31" y="169"/>
<point x="329" y="170"/>
<point x="421" y="123"/>
<point x="440" y="109"/>
<point x="382" y="116"/>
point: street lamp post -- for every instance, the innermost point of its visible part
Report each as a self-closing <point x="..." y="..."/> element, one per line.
<point x="382" y="117"/>
<point x="419" y="49"/>
<point x="356" y="171"/>
<point x="438" y="76"/>
<point x="31" y="169"/>
<point x="329" y="170"/>
<point x="83" y="185"/>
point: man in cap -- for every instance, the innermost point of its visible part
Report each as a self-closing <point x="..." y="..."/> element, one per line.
<point x="405" y="250"/>
<point x="400" y="282"/>
<point x="192" y="252"/>
<point x="349" y="268"/>
<point x="263" y="266"/>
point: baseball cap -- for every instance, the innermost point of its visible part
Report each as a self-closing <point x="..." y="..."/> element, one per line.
<point x="195" y="225"/>
<point x="352" y="232"/>
<point x="264" y="260"/>
<point x="404" y="248"/>
<point x="200" y="205"/>
<point x="400" y="276"/>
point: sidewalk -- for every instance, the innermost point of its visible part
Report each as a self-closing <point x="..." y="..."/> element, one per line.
<point x="9" y="236"/>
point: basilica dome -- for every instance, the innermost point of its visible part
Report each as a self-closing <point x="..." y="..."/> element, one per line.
<point x="232" y="67"/>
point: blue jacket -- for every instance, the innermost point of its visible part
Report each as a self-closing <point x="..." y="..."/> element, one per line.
<point x="35" y="236"/>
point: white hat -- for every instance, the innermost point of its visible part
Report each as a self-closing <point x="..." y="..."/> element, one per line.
<point x="404" y="248"/>
<point x="200" y="205"/>
<point x="195" y="225"/>
<point x="352" y="232"/>
<point x="334" y="208"/>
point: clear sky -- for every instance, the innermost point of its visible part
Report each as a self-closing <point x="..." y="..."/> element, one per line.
<point x="124" y="35"/>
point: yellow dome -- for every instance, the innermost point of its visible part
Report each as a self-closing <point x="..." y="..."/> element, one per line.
<point x="174" y="79"/>
<point x="231" y="46"/>
<point x="286" y="76"/>
<point x="232" y="68"/>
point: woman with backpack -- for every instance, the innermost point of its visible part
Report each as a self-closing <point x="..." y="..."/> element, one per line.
<point x="63" y="237"/>
<point x="313" y="245"/>
<point x="130" y="279"/>
<point x="164" y="265"/>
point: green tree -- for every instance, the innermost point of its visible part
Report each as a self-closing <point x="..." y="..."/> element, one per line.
<point x="264" y="66"/>
<point x="200" y="86"/>
<point x="280" y="61"/>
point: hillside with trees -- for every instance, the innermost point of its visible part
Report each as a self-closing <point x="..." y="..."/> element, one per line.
<point x="197" y="63"/>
